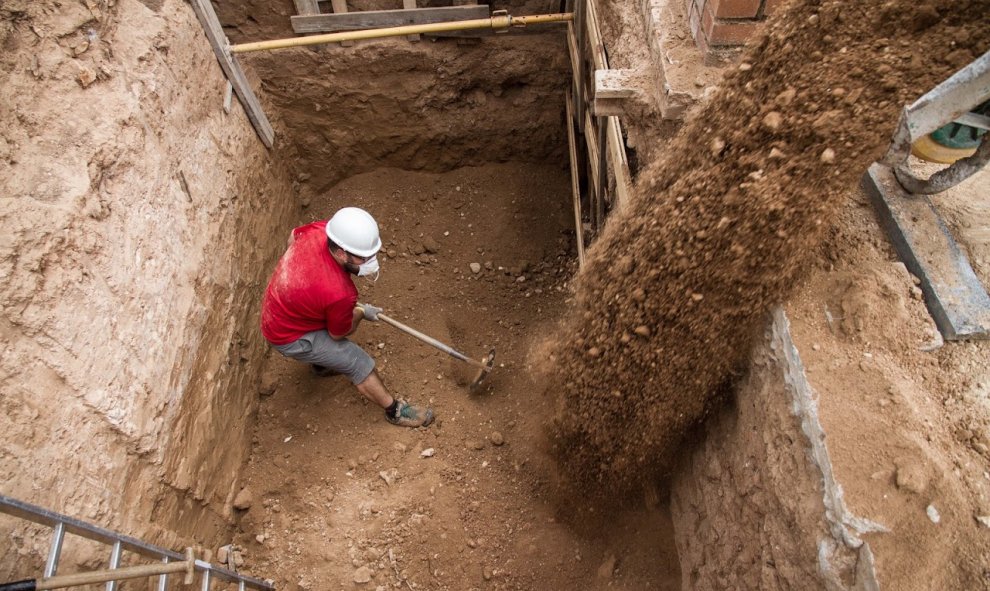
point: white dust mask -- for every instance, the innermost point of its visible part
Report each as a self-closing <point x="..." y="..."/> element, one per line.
<point x="368" y="268"/>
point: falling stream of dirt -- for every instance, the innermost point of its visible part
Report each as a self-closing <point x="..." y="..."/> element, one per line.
<point x="720" y="230"/>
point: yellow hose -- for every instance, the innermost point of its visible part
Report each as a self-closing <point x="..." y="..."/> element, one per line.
<point x="496" y="23"/>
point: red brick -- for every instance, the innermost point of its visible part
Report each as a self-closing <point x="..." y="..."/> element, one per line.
<point x="727" y="33"/>
<point x="736" y="8"/>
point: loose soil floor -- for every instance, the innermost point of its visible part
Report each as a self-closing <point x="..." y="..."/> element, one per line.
<point x="339" y="494"/>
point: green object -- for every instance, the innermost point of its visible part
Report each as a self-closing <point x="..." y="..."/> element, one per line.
<point x="961" y="137"/>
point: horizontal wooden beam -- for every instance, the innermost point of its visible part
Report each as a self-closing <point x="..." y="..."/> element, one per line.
<point x="378" y="19"/>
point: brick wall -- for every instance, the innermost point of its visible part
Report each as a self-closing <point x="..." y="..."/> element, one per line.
<point x="724" y="24"/>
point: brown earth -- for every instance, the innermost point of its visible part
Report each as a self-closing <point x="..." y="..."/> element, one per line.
<point x="339" y="492"/>
<point x="721" y="229"/>
<point x="718" y="236"/>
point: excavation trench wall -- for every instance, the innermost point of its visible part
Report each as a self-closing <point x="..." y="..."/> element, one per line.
<point x="431" y="105"/>
<point x="141" y="223"/>
<point x="755" y="503"/>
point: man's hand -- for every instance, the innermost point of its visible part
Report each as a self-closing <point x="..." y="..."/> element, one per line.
<point x="370" y="312"/>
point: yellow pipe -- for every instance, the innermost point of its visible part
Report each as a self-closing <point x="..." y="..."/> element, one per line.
<point x="496" y="22"/>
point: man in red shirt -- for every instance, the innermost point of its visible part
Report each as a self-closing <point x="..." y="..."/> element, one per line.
<point x="310" y="306"/>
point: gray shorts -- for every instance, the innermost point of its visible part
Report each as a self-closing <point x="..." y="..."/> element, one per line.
<point x="343" y="356"/>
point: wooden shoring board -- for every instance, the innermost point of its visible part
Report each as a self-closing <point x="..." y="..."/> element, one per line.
<point x="377" y="19"/>
<point x="578" y="28"/>
<point x="595" y="38"/>
<point x="232" y="69"/>
<point x="410" y="5"/>
<point x="339" y="7"/>
<point x="575" y="56"/>
<point x="575" y="183"/>
<point x="620" y="163"/>
<point x="602" y="164"/>
<point x="307" y="6"/>
<point x="591" y="140"/>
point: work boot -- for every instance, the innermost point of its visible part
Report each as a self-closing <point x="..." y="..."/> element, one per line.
<point x="321" y="371"/>
<point x="407" y="415"/>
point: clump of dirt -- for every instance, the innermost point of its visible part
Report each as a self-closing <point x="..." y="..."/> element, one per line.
<point x="679" y="280"/>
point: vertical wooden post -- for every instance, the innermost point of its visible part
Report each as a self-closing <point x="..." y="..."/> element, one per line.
<point x="580" y="8"/>
<point x="601" y="124"/>
<point x="340" y="7"/>
<point x="575" y="182"/>
<point x="410" y="4"/>
<point x="307" y="6"/>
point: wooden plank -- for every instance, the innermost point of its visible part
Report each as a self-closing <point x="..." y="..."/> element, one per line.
<point x="579" y="95"/>
<point x="620" y="163"/>
<point x="591" y="141"/>
<point x="339" y="7"/>
<point x="378" y="19"/>
<point x="575" y="184"/>
<point x="602" y="172"/>
<point x="572" y="50"/>
<point x="410" y="5"/>
<point x="306" y="6"/>
<point x="232" y="69"/>
<point x="595" y="38"/>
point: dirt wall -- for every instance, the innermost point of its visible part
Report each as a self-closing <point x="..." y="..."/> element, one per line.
<point x="432" y="105"/>
<point x="139" y="226"/>
<point x="756" y="504"/>
<point x="745" y="507"/>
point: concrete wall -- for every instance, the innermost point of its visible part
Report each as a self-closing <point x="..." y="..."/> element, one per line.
<point x="140" y="223"/>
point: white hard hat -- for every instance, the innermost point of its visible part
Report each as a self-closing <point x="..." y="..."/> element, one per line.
<point x="354" y="230"/>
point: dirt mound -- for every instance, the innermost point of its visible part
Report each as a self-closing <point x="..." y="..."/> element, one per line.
<point x="719" y="231"/>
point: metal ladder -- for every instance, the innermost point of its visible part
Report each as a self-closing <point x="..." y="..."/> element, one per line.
<point x="63" y="524"/>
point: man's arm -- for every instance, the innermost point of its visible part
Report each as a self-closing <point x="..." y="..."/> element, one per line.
<point x="356" y="316"/>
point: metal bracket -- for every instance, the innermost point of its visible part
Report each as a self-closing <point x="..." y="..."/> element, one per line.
<point x="948" y="101"/>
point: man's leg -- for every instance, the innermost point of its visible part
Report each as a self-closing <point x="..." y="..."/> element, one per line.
<point x="346" y="358"/>
<point x="374" y="390"/>
<point x="397" y="412"/>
